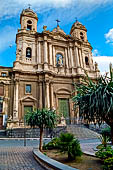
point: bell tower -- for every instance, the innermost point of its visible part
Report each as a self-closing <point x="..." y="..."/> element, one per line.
<point x="25" y="39"/>
<point x="79" y="31"/>
<point x="28" y="20"/>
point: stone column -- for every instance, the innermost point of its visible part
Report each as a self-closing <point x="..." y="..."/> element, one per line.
<point x="71" y="57"/>
<point x="40" y="97"/>
<point x="80" y="55"/>
<point x="33" y="53"/>
<point x="23" y="49"/>
<point x="39" y="56"/>
<point x="50" y="56"/>
<point x="47" y="102"/>
<point x="45" y="55"/>
<point x="77" y="57"/>
<point x="15" y="103"/>
<point x="90" y="64"/>
<point x="54" y="57"/>
<point x="77" y="60"/>
<point x="52" y="96"/>
<point x="39" y="53"/>
<point x="67" y="64"/>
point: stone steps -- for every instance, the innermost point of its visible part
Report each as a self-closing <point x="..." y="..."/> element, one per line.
<point x="82" y="132"/>
<point x="2" y="133"/>
<point x="33" y="132"/>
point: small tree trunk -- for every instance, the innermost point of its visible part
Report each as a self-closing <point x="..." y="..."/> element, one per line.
<point x="41" y="139"/>
<point x="112" y="134"/>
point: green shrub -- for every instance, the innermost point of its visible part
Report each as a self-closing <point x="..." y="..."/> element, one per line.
<point x="69" y="144"/>
<point x="74" y="149"/>
<point x="104" y="153"/>
<point x="104" y="140"/>
<point x="66" y="143"/>
<point x="108" y="164"/>
<point x="53" y="144"/>
<point x="106" y="133"/>
<point x="65" y="139"/>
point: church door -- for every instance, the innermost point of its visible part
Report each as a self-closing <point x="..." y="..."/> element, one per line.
<point x="28" y="109"/>
<point x="63" y="108"/>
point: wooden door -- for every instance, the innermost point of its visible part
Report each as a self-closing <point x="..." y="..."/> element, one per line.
<point x="63" y="108"/>
<point x="28" y="109"/>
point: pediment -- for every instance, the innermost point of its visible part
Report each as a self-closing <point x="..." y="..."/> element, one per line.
<point x="28" y="99"/>
<point x="63" y="91"/>
<point x="60" y="37"/>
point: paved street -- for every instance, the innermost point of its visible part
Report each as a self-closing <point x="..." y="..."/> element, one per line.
<point x="14" y="156"/>
<point x="89" y="145"/>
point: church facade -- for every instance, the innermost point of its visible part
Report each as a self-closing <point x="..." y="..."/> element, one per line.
<point x="47" y="66"/>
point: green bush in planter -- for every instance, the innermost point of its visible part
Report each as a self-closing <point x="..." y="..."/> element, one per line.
<point x="108" y="164"/>
<point x="104" y="153"/>
<point x="70" y="145"/>
<point x="66" y="143"/>
<point x="53" y="144"/>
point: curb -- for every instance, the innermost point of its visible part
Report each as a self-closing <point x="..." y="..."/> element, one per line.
<point x="48" y="163"/>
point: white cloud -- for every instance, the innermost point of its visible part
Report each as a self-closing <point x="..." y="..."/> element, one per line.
<point x="7" y="37"/>
<point x="50" y="10"/>
<point x="109" y="36"/>
<point x="103" y="63"/>
<point x="95" y="53"/>
<point x="10" y="8"/>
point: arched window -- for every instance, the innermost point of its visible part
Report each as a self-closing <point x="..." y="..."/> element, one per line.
<point x="28" y="52"/>
<point x="82" y="36"/>
<point x="29" y="25"/>
<point x="87" y="61"/>
<point x="59" y="59"/>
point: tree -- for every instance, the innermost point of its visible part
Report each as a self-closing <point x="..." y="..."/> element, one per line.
<point x="95" y="100"/>
<point x="43" y="118"/>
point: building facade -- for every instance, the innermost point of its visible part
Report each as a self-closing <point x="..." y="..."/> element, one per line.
<point x="47" y="66"/>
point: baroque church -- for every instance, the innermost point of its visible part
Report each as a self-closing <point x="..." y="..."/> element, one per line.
<point x="47" y="66"/>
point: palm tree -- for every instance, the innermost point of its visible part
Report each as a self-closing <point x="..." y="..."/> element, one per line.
<point x="95" y="100"/>
<point x="43" y="118"/>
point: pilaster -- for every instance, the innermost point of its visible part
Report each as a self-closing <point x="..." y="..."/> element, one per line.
<point x="39" y="56"/>
<point x="45" y="54"/>
<point x="47" y="102"/>
<point x="15" y="103"/>
<point x="40" y="96"/>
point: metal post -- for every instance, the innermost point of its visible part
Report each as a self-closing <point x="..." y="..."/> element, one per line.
<point x="24" y="131"/>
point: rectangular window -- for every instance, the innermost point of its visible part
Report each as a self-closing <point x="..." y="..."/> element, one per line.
<point x="28" y="88"/>
<point x="3" y="74"/>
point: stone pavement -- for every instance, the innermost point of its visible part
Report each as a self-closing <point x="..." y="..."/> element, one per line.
<point x="88" y="146"/>
<point x="14" y="156"/>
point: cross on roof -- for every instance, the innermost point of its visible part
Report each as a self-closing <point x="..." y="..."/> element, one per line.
<point x="76" y="19"/>
<point x="57" y="22"/>
<point x="29" y="5"/>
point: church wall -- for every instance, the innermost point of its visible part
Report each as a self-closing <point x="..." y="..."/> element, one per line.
<point x="56" y="61"/>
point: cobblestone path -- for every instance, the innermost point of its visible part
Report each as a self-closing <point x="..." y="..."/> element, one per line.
<point x="18" y="158"/>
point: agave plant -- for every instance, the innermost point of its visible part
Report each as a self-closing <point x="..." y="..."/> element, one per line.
<point x="95" y="100"/>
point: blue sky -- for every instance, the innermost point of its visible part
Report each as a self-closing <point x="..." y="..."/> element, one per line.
<point x="96" y="15"/>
